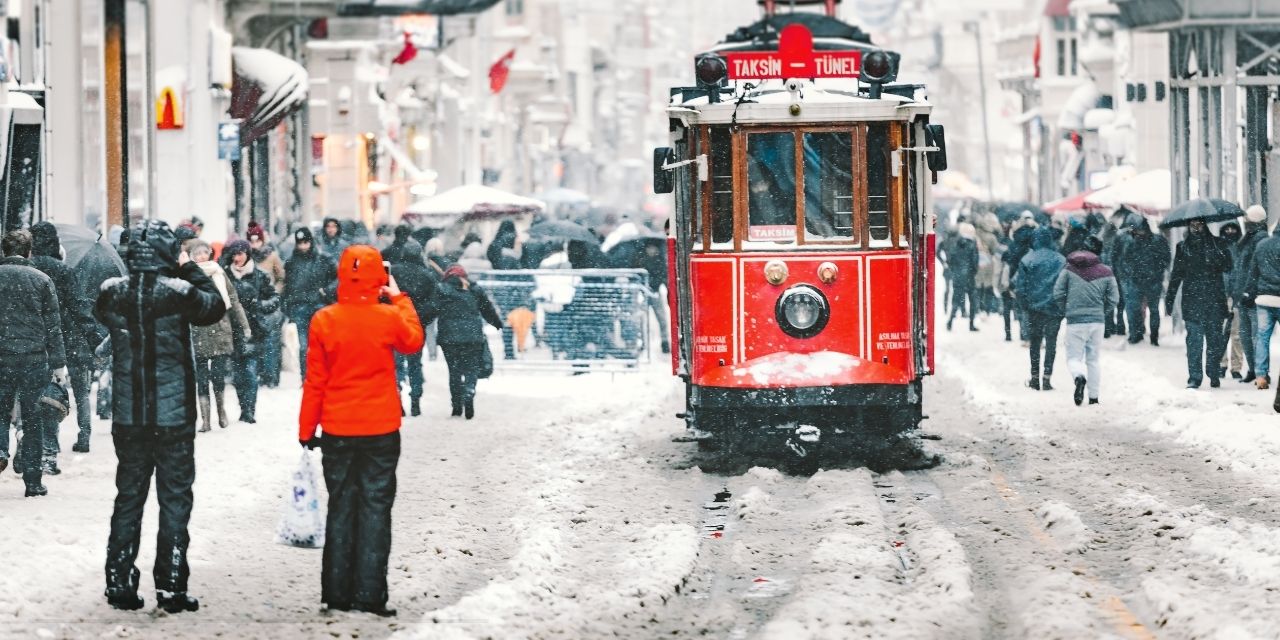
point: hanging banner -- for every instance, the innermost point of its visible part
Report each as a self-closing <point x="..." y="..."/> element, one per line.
<point x="229" y="140"/>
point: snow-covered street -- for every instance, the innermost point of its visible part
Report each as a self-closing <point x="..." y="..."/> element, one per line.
<point x="564" y="510"/>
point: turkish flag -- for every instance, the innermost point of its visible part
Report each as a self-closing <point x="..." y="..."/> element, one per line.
<point x="1035" y="57"/>
<point x="408" y="53"/>
<point x="500" y="71"/>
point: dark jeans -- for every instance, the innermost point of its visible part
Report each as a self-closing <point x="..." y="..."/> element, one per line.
<point x="1115" y="322"/>
<point x="1044" y="329"/>
<point x="1008" y="308"/>
<point x="244" y="375"/>
<point x="82" y="389"/>
<point x="212" y="371"/>
<point x="360" y="474"/>
<point x="22" y="378"/>
<point x="1138" y="297"/>
<point x="1205" y="344"/>
<point x="269" y="357"/>
<point x="303" y="322"/>
<point x="409" y="367"/>
<point x="463" y="361"/>
<point x="1248" y="331"/>
<point x="169" y="453"/>
<point x="959" y="292"/>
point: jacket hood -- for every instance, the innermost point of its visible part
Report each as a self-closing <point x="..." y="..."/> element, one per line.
<point x="1087" y="265"/>
<point x="44" y="240"/>
<point x="967" y="231"/>
<point x="336" y="222"/>
<point x="361" y="275"/>
<point x="1042" y="238"/>
<point x="153" y="247"/>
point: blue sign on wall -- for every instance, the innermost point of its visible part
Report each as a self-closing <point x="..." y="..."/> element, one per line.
<point x="229" y="140"/>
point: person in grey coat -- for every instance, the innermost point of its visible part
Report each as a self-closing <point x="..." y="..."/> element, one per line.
<point x="215" y="344"/>
<point x="1242" y="252"/>
<point x="1086" y="290"/>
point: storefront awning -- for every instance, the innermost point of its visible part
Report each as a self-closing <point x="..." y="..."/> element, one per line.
<point x="364" y="8"/>
<point x="268" y="87"/>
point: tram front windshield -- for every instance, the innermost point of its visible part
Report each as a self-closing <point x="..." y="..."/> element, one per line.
<point x="771" y="174"/>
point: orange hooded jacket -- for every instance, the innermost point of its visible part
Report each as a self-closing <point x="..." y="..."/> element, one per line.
<point x="350" y="388"/>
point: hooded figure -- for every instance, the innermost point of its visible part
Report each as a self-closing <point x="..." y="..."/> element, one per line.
<point x="463" y="309"/>
<point x="1199" y="266"/>
<point x="1242" y="260"/>
<point x="502" y="251"/>
<point x="149" y="314"/>
<point x="78" y="328"/>
<point x="310" y="279"/>
<point x="962" y="264"/>
<point x="332" y="242"/>
<point x="1087" y="291"/>
<point x="350" y="392"/>
<point x="262" y="307"/>
<point x="400" y="235"/>
<point x="1141" y="259"/>
<point x="418" y="282"/>
<point x="1034" y="283"/>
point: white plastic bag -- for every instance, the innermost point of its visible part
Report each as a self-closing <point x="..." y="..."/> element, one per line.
<point x="302" y="518"/>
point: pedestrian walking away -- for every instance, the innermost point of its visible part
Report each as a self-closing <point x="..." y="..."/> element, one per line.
<point x="350" y="394"/>
<point x="265" y="256"/>
<point x="1143" y="257"/>
<point x="463" y="309"/>
<point x="962" y="263"/>
<point x="1242" y="259"/>
<point x="418" y="282"/>
<point x="261" y="306"/>
<point x="78" y="331"/>
<point x="1034" y="284"/>
<point x="1262" y="295"/>
<point x="215" y="345"/>
<point x="32" y="353"/>
<point x="149" y="314"/>
<point x="1086" y="290"/>
<point x="1233" y="352"/>
<point x="1199" y="264"/>
<point x="309" y="281"/>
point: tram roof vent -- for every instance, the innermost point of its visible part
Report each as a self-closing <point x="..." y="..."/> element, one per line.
<point x="767" y="29"/>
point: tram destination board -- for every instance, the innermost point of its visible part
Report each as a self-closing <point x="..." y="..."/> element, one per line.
<point x="762" y="65"/>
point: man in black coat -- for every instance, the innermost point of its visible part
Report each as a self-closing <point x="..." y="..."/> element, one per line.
<point x="418" y="282"/>
<point x="149" y="314"/>
<point x="77" y="326"/>
<point x="257" y="293"/>
<point x="1198" y="268"/>
<point x="1141" y="258"/>
<point x="31" y="352"/>
<point x="962" y="264"/>
<point x="463" y="309"/>
<point x="310" y="283"/>
<point x="394" y="250"/>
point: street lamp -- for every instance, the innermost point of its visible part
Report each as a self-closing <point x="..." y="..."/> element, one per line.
<point x="973" y="27"/>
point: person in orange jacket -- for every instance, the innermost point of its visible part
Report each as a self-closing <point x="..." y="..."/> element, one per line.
<point x="350" y="392"/>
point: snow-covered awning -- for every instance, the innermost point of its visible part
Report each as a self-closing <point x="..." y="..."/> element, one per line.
<point x="268" y="87"/>
<point x="474" y="200"/>
<point x="1148" y="192"/>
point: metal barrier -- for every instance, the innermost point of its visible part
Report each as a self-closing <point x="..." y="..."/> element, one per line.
<point x="570" y="319"/>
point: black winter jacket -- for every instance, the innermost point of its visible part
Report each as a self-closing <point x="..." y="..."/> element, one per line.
<point x="1141" y="260"/>
<point x="310" y="282"/>
<point x="462" y="313"/>
<point x="1264" y="274"/>
<point x="259" y="299"/>
<point x="1198" y="267"/>
<point x="153" y="368"/>
<point x="419" y="282"/>
<point x="962" y="261"/>
<point x="1242" y="253"/>
<point x="77" y="321"/>
<point x="30" y="320"/>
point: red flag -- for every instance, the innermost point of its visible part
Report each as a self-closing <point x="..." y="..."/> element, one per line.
<point x="408" y="53"/>
<point x="500" y="71"/>
<point x="1035" y="57"/>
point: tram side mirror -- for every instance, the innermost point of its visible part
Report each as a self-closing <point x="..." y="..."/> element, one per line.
<point x="663" y="179"/>
<point x="935" y="136"/>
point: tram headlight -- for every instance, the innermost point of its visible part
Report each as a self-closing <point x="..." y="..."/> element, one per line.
<point x="802" y="311"/>
<point x="879" y="67"/>
<point x="711" y="70"/>
<point x="827" y="272"/>
<point x="775" y="272"/>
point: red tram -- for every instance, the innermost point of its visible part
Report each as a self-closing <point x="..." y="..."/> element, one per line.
<point x="802" y="245"/>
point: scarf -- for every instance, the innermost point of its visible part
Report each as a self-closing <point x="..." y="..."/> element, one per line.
<point x="241" y="272"/>
<point x="219" y="277"/>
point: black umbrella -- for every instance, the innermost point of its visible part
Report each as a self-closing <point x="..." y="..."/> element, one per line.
<point x="562" y="230"/>
<point x="1010" y="211"/>
<point x="626" y="254"/>
<point x="1204" y="209"/>
<point x="91" y="256"/>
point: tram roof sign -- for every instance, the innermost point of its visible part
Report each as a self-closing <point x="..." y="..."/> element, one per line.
<point x="794" y="58"/>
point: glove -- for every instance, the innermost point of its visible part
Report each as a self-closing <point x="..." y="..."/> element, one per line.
<point x="1168" y="308"/>
<point x="62" y="376"/>
<point x="1248" y="302"/>
<point x="311" y="444"/>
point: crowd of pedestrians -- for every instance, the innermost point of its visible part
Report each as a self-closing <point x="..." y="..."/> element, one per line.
<point x="1111" y="277"/>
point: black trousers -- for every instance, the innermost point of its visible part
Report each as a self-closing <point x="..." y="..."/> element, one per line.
<point x="463" y="360"/>
<point x="1044" y="329"/>
<point x="360" y="473"/>
<point x="22" y="379"/>
<point x="169" y="454"/>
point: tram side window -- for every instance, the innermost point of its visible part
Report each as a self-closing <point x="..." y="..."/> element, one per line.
<point x="721" y="185"/>
<point x="878" y="185"/>
<point x="771" y="179"/>
<point x="828" y="185"/>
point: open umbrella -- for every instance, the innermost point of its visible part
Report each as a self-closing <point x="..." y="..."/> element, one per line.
<point x="562" y="230"/>
<point x="1204" y="209"/>
<point x="91" y="256"/>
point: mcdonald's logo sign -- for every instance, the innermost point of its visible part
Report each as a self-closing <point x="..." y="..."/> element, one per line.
<point x="168" y="109"/>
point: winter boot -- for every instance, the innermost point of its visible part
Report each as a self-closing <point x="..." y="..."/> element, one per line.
<point x="415" y="407"/>
<point x="1249" y="376"/>
<point x="1155" y="339"/>
<point x="247" y="418"/>
<point x="34" y="487"/>
<point x="1215" y="382"/>
<point x="1093" y="401"/>
<point x="1044" y="384"/>
<point x="1275" y="404"/>
<point x="457" y="409"/>
<point x="126" y="601"/>
<point x="1079" y="394"/>
<point x="221" y="406"/>
<point x="1034" y="383"/>
<point x="50" y="468"/>
<point x="176" y="602"/>
<point x="1235" y="375"/>
<point x="379" y="610"/>
<point x="82" y="443"/>
<point x="204" y="413"/>
<point x="469" y="410"/>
